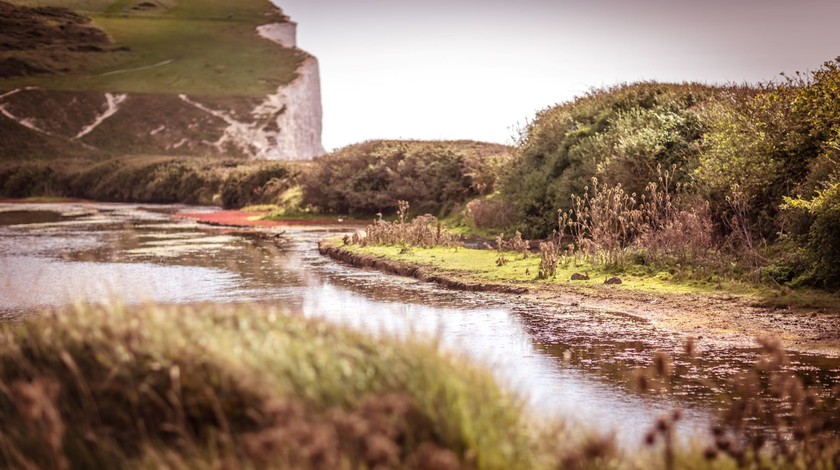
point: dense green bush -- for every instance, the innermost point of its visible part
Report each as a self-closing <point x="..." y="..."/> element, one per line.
<point x="433" y="176"/>
<point x="743" y="150"/>
<point x="822" y="218"/>
<point x="259" y="184"/>
<point x="27" y="180"/>
<point x="619" y="135"/>
<point x="152" y="180"/>
<point x="157" y="180"/>
<point x="771" y="143"/>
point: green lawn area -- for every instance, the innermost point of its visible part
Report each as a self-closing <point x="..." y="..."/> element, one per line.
<point x="481" y="265"/>
<point x="202" y="47"/>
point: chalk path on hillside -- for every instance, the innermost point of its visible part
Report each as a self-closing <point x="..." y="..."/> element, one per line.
<point x="137" y="69"/>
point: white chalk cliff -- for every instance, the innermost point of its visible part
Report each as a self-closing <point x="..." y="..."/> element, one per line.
<point x="287" y="124"/>
<point x="297" y="106"/>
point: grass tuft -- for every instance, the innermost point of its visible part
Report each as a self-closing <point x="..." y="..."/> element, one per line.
<point x="108" y="387"/>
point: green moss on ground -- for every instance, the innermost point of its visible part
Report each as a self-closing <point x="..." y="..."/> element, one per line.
<point x="480" y="264"/>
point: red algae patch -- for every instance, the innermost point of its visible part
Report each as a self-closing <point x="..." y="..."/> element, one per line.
<point x="238" y="218"/>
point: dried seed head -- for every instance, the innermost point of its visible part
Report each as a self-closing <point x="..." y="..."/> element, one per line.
<point x="676" y="415"/>
<point x="690" y="349"/>
<point x="642" y="382"/>
<point x="661" y="364"/>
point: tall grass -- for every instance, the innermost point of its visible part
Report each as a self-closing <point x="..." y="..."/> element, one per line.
<point x="608" y="226"/>
<point x="116" y="387"/>
<point x="257" y="387"/>
<point x="424" y="231"/>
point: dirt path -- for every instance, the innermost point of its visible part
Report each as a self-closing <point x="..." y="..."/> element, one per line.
<point x="724" y="319"/>
<point x="137" y="69"/>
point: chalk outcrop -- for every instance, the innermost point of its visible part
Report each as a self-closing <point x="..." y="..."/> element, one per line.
<point x="287" y="124"/>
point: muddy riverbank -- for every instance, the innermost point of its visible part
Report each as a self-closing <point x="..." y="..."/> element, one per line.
<point x="727" y="320"/>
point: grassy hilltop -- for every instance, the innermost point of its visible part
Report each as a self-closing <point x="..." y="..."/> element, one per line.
<point x="203" y="47"/>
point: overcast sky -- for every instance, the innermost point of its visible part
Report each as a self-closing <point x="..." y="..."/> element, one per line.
<point x="479" y="69"/>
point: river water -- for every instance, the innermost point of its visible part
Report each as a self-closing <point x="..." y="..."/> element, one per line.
<point x="569" y="362"/>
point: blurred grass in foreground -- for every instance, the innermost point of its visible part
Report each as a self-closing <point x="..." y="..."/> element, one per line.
<point x="249" y="386"/>
<point x="99" y="387"/>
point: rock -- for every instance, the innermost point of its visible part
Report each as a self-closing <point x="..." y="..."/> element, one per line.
<point x="580" y="277"/>
<point x="612" y="281"/>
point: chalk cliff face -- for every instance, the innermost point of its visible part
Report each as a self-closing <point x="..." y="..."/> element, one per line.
<point x="284" y="125"/>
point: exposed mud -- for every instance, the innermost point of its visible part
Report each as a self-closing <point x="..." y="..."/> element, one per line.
<point x="726" y="320"/>
<point x="410" y="270"/>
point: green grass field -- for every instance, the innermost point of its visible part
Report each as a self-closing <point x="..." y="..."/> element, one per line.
<point x="481" y="266"/>
<point x="203" y="47"/>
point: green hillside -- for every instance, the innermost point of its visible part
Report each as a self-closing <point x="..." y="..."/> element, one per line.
<point x="204" y="47"/>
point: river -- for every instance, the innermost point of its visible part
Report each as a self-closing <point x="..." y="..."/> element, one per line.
<point x="569" y="362"/>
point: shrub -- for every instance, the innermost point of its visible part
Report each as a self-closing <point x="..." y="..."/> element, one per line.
<point x="146" y="179"/>
<point x="662" y="223"/>
<point x="27" y="180"/>
<point x="256" y="184"/>
<point x="434" y="177"/>
<point x="774" y="142"/>
<point x="489" y="212"/>
<point x="618" y="135"/>
<point x="823" y="237"/>
<point x="154" y="180"/>
<point x="424" y="231"/>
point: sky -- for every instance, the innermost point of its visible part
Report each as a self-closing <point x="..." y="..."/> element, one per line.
<point x="481" y="69"/>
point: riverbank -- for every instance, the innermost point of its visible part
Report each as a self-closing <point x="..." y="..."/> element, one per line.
<point x="727" y="318"/>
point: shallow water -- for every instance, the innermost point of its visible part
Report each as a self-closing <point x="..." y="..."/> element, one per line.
<point x="567" y="361"/>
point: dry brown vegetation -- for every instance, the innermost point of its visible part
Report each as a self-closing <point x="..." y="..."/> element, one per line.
<point x="772" y="419"/>
<point x="608" y="227"/>
<point x="423" y="231"/>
